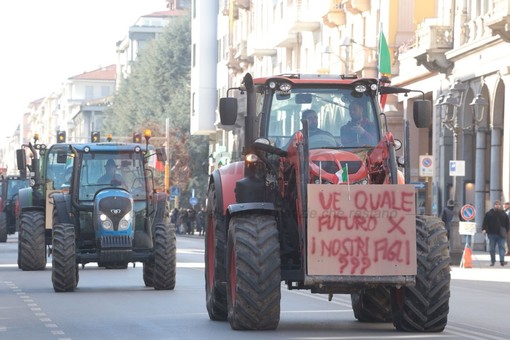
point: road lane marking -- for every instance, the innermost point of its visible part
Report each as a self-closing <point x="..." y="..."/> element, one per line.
<point x="36" y="310"/>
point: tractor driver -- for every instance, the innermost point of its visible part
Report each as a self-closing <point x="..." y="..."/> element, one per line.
<point x="111" y="177"/>
<point x="318" y="137"/>
<point x="359" y="130"/>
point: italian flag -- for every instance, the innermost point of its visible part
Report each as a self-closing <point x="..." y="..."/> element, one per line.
<point x="343" y="174"/>
<point x="384" y="62"/>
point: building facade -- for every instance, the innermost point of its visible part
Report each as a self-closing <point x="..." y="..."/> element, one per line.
<point x="453" y="51"/>
<point x="77" y="108"/>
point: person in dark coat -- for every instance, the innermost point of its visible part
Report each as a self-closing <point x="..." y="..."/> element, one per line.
<point x="507" y="212"/>
<point x="496" y="226"/>
<point x="359" y="130"/>
<point x="201" y="221"/>
<point x="174" y="217"/>
<point x="447" y="216"/>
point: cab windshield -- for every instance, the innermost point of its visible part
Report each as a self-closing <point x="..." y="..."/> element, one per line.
<point x="328" y="110"/>
<point x="101" y="170"/>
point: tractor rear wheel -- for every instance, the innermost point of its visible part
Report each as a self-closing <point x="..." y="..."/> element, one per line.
<point x="64" y="269"/>
<point x="425" y="306"/>
<point x="164" y="257"/>
<point x="214" y="258"/>
<point x="148" y="273"/>
<point x="32" y="241"/>
<point x="3" y="227"/>
<point x="253" y="273"/>
<point x="372" y="305"/>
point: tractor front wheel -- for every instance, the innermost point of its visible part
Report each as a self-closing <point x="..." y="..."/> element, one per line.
<point x="253" y="273"/>
<point x="32" y="241"/>
<point x="64" y="271"/>
<point x="214" y="258"/>
<point x="3" y="227"/>
<point x="425" y="306"/>
<point x="164" y="257"/>
<point x="372" y="305"/>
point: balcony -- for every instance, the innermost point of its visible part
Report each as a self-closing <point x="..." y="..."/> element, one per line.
<point x="285" y="39"/>
<point x="298" y="18"/>
<point x="499" y="19"/>
<point x="334" y="18"/>
<point x="356" y="6"/>
<point x="258" y="47"/>
<point x="238" y="59"/>
<point x="432" y="41"/>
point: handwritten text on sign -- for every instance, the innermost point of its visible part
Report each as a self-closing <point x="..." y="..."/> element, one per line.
<point x="361" y="230"/>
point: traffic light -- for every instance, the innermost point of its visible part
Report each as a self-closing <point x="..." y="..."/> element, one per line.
<point x="95" y="137"/>
<point x="61" y="136"/>
<point x="147" y="133"/>
<point x="137" y="137"/>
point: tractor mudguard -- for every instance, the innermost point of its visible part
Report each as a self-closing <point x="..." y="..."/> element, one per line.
<point x="225" y="179"/>
<point x="63" y="206"/>
<point x="234" y="209"/>
<point x="160" y="207"/>
<point x="25" y="198"/>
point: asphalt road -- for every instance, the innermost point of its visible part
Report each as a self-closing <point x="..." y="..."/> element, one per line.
<point x="115" y="304"/>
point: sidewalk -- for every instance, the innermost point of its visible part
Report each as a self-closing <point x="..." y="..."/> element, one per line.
<point x="481" y="269"/>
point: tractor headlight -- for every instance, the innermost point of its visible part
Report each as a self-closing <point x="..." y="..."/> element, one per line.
<point x="124" y="222"/>
<point x="360" y="88"/>
<point x="106" y="222"/>
<point x="251" y="158"/>
<point x="285" y="87"/>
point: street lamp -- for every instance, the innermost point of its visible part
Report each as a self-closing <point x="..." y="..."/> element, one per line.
<point x="449" y="108"/>
<point x="479" y="104"/>
<point x="453" y="101"/>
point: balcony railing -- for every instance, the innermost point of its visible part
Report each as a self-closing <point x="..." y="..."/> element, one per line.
<point x="499" y="19"/>
<point x="432" y="41"/>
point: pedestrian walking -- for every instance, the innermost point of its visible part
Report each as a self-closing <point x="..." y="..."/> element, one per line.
<point x="507" y="211"/>
<point x="496" y="225"/>
<point x="191" y="223"/>
<point x="201" y="221"/>
<point x="447" y="216"/>
<point x="174" y="217"/>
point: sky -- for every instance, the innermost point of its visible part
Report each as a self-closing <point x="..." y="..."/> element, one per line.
<point x="45" y="42"/>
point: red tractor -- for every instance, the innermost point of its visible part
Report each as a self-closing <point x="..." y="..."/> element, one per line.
<point x="320" y="203"/>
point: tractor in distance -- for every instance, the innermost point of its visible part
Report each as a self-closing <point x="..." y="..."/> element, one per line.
<point x="84" y="217"/>
<point x="9" y="205"/>
<point x="327" y="211"/>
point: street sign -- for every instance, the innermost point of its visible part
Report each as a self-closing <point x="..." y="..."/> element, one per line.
<point x="175" y="191"/>
<point x="193" y="201"/>
<point x="457" y="168"/>
<point x="426" y="166"/>
<point x="467" y="228"/>
<point x="419" y="185"/>
<point x="468" y="212"/>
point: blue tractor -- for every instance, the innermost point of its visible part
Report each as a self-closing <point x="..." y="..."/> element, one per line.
<point x="98" y="203"/>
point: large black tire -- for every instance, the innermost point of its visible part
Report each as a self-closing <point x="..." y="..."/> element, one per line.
<point x="148" y="273"/>
<point x="425" y="307"/>
<point x="32" y="241"/>
<point x="3" y="227"/>
<point x="372" y="305"/>
<point x="253" y="268"/>
<point x="215" y="260"/>
<point x="64" y="269"/>
<point x="164" y="257"/>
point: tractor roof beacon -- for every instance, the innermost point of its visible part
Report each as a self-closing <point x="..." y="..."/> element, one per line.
<point x="110" y="222"/>
<point x="329" y="214"/>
